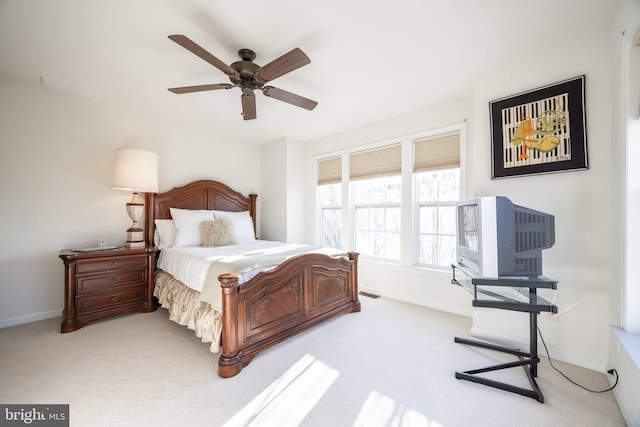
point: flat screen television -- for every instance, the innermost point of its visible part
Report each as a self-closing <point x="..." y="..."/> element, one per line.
<point x="499" y="239"/>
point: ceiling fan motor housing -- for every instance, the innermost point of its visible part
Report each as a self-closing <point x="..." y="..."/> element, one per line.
<point x="246" y="70"/>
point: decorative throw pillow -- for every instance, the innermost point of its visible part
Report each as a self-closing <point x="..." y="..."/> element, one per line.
<point x="241" y="223"/>
<point x="217" y="233"/>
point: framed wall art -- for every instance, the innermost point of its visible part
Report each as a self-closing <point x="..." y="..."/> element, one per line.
<point x="540" y="131"/>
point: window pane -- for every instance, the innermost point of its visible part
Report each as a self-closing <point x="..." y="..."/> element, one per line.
<point x="428" y="248"/>
<point x="438" y="186"/>
<point x="362" y="219"/>
<point x="392" y="220"/>
<point x="378" y="190"/>
<point x="427" y="187"/>
<point x="428" y="219"/>
<point x="377" y="219"/>
<point x="330" y="195"/>
<point x="448" y="185"/>
<point x="447" y="220"/>
<point x="331" y="227"/>
<point x="330" y="199"/>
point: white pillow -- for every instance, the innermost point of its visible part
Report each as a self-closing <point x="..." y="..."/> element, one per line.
<point x="242" y="224"/>
<point x="165" y="233"/>
<point x="188" y="225"/>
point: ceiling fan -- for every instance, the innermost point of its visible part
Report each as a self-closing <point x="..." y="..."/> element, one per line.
<point x="249" y="76"/>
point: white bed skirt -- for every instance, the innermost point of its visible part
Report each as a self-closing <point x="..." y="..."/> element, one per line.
<point x="186" y="309"/>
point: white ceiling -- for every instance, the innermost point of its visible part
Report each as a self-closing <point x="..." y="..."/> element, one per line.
<point x="370" y="60"/>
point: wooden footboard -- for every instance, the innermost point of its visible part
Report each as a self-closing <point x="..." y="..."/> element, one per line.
<point x="287" y="300"/>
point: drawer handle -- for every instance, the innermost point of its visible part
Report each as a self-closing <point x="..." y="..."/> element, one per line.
<point x="114" y="299"/>
<point x="114" y="264"/>
<point x="114" y="280"/>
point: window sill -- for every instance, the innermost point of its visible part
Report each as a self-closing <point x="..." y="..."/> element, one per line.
<point x="631" y="344"/>
<point x="403" y="267"/>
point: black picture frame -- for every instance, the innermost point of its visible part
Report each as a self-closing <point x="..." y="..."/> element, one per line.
<point x="540" y="131"/>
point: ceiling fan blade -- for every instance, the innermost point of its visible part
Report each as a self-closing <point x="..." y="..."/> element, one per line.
<point x="285" y="64"/>
<point x="291" y="98"/>
<point x="194" y="48"/>
<point x="200" y="88"/>
<point x="248" y="106"/>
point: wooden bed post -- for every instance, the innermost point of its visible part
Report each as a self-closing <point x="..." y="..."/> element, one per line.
<point x="252" y="211"/>
<point x="353" y="256"/>
<point x="230" y="362"/>
<point x="149" y="215"/>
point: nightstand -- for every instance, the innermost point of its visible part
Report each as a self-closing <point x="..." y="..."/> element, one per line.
<point x="106" y="283"/>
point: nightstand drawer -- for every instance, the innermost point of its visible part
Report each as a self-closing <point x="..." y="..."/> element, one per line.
<point x="88" y="284"/>
<point x="105" y="301"/>
<point x="95" y="266"/>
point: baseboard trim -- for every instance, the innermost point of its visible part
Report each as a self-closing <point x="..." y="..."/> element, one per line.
<point x="439" y="307"/>
<point x="21" y="320"/>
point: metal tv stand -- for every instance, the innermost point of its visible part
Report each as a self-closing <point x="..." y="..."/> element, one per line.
<point x="507" y="293"/>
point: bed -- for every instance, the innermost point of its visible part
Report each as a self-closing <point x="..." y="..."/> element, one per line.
<point x="257" y="312"/>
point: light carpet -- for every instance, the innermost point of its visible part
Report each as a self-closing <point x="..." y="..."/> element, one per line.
<point x="392" y="364"/>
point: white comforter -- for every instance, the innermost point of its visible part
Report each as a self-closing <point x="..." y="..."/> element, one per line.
<point x="199" y="267"/>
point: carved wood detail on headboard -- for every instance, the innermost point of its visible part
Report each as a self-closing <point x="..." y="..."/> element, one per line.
<point x="203" y="194"/>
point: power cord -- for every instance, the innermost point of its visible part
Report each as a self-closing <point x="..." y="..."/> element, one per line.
<point x="610" y="371"/>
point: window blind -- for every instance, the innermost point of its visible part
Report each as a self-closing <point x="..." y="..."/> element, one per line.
<point x="330" y="170"/>
<point x="436" y="152"/>
<point x="377" y="162"/>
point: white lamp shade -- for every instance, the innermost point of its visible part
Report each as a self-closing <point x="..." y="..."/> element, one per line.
<point x="135" y="170"/>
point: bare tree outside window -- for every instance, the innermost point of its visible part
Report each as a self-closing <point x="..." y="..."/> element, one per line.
<point x="330" y="197"/>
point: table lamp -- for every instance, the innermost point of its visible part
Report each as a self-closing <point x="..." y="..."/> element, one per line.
<point x="136" y="171"/>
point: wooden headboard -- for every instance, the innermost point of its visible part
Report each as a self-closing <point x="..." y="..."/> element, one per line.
<point x="203" y="194"/>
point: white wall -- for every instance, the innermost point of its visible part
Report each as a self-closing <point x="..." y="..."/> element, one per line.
<point x="56" y="159"/>
<point x="297" y="225"/>
<point x="283" y="192"/>
<point x="274" y="195"/>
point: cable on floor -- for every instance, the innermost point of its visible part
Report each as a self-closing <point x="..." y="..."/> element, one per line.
<point x="610" y="371"/>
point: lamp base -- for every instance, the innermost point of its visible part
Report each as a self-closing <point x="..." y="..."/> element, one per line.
<point x="135" y="238"/>
<point x="133" y="245"/>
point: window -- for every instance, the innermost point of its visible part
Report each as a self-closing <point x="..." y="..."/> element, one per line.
<point x="437" y="193"/>
<point x="376" y="187"/>
<point x="436" y="168"/>
<point x="396" y="212"/>
<point x="330" y="201"/>
<point x="377" y="216"/>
